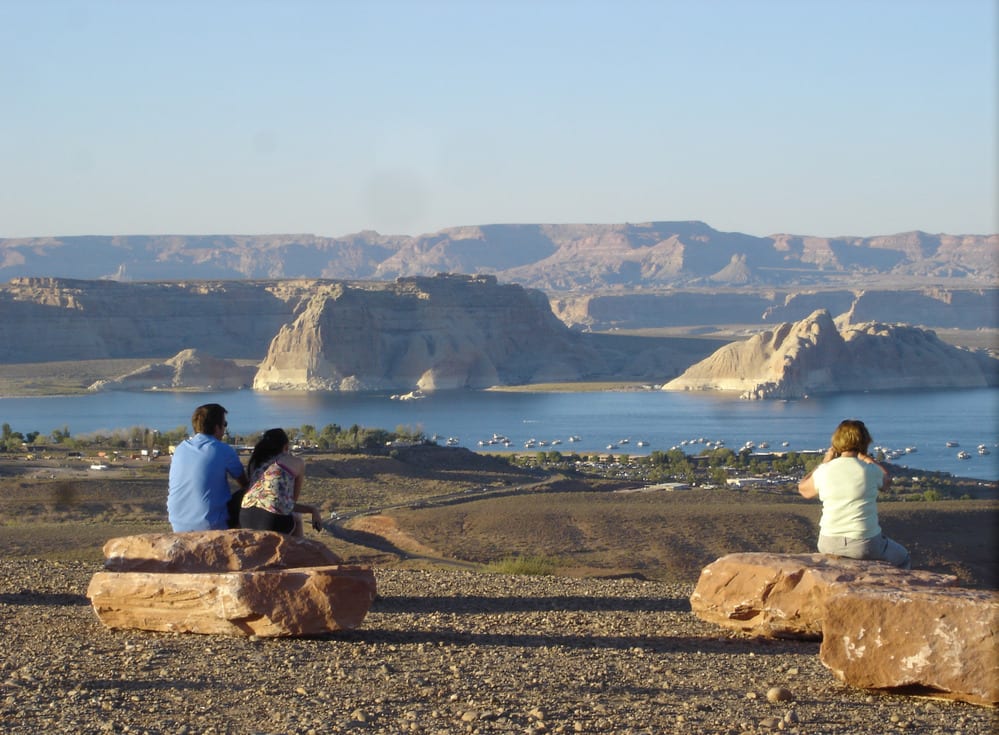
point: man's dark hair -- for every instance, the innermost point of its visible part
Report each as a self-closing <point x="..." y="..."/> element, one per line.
<point x="207" y="418"/>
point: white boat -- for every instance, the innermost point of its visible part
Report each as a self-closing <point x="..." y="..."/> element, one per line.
<point x="963" y="455"/>
<point x="953" y="444"/>
<point x="983" y="450"/>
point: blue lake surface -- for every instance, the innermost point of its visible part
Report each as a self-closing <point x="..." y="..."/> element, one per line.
<point x="924" y="420"/>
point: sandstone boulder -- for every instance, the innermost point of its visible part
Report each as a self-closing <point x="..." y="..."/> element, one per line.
<point x="784" y="595"/>
<point x="944" y="640"/>
<point x="238" y="582"/>
<point x="214" y="551"/>
<point x="290" y="602"/>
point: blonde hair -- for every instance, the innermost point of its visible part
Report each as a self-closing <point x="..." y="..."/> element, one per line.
<point x="851" y="436"/>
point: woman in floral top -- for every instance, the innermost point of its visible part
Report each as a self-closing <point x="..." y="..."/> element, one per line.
<point x="276" y="478"/>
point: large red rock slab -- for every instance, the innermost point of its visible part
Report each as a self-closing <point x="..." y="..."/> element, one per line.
<point x="214" y="551"/>
<point x="941" y="640"/>
<point x="274" y="603"/>
<point x="784" y="595"/>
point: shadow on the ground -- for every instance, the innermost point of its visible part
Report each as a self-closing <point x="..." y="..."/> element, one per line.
<point x="54" y="599"/>
<point x="480" y="604"/>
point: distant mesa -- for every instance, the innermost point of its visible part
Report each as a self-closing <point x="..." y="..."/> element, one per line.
<point x="819" y="355"/>
<point x="552" y="257"/>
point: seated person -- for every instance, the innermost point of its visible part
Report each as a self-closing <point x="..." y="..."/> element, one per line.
<point x="276" y="479"/>
<point x="847" y="482"/>
<point x="198" y="494"/>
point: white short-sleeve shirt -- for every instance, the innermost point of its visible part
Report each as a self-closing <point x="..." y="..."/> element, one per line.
<point x="848" y="489"/>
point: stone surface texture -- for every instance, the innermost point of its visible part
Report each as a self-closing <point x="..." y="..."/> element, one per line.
<point x="784" y="595"/>
<point x="237" y="582"/>
<point x="291" y="602"/>
<point x="214" y="551"/>
<point x="937" y="639"/>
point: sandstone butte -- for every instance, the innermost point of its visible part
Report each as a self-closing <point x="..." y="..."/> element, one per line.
<point x="425" y="333"/>
<point x="881" y="627"/>
<point x="820" y="355"/>
<point x="238" y="582"/>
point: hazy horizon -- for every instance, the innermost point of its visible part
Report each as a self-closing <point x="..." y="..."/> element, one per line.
<point x="832" y="119"/>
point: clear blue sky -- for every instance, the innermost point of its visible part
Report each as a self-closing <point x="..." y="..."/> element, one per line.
<point x="841" y="117"/>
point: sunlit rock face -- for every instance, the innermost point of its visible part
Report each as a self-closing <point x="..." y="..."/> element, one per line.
<point x="444" y="332"/>
<point x="818" y="355"/>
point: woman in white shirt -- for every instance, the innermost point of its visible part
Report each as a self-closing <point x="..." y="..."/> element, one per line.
<point x="847" y="482"/>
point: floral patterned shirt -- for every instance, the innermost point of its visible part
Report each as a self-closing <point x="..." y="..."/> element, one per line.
<point x="272" y="488"/>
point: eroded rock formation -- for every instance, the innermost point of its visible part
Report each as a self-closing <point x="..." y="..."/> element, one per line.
<point x="187" y="369"/>
<point x="428" y="333"/>
<point x="816" y="355"/>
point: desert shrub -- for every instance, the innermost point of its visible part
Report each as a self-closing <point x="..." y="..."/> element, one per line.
<point x="719" y="476"/>
<point x="538" y="566"/>
<point x="408" y="433"/>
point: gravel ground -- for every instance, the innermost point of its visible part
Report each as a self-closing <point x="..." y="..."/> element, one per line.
<point x="440" y="652"/>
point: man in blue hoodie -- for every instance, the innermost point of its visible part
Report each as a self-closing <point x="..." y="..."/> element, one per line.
<point x="202" y="464"/>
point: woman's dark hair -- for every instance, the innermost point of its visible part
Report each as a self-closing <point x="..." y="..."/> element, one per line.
<point x="271" y="444"/>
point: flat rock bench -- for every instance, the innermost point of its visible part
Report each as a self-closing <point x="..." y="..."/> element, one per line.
<point x="881" y="627"/>
<point x="237" y="582"/>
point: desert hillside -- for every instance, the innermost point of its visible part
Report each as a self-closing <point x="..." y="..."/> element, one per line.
<point x="439" y="507"/>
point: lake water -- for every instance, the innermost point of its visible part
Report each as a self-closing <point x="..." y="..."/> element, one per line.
<point x="924" y="420"/>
